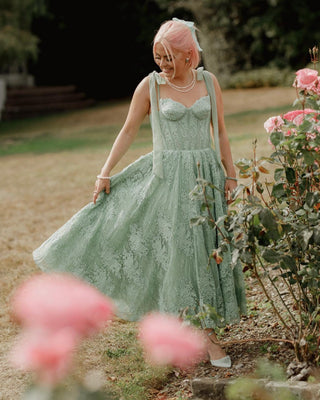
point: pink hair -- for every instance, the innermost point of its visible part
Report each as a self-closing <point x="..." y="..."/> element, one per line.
<point x="175" y="35"/>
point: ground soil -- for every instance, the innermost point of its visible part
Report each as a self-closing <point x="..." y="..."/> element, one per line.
<point x="39" y="193"/>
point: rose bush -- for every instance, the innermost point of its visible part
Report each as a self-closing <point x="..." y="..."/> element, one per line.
<point x="273" y="226"/>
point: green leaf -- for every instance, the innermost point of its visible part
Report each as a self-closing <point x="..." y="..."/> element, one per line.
<point x="301" y="212"/>
<point x="290" y="175"/>
<point x="278" y="173"/>
<point x="268" y="220"/>
<point x="278" y="190"/>
<point x="288" y="262"/>
<point x="306" y="126"/>
<point x="312" y="198"/>
<point x="308" y="156"/>
<point x="243" y="163"/>
<point x="316" y="234"/>
<point x="270" y="255"/>
<point x="276" y="138"/>
<point x="303" y="238"/>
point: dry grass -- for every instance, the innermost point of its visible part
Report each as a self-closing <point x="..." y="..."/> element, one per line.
<point x="39" y="193"/>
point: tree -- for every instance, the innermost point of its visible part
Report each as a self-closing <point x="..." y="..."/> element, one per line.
<point x="17" y="43"/>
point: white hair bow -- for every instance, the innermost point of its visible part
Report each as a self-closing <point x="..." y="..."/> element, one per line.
<point x="192" y="28"/>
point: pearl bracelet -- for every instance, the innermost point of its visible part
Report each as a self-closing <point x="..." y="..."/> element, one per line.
<point x="233" y="179"/>
<point x="103" y="177"/>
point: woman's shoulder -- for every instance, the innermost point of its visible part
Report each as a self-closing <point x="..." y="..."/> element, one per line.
<point x="143" y="86"/>
<point x="214" y="79"/>
<point x="210" y="74"/>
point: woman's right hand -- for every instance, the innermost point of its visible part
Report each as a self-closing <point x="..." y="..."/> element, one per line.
<point x="100" y="186"/>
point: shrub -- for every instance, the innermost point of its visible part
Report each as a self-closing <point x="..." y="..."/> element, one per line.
<point x="260" y="77"/>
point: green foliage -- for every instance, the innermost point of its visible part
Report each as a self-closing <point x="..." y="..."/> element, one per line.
<point x="260" y="77"/>
<point x="17" y="43"/>
<point x="273" y="226"/>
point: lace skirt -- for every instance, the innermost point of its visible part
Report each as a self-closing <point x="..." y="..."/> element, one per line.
<point x="136" y="244"/>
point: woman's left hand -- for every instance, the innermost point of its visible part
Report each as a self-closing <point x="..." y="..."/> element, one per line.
<point x="229" y="187"/>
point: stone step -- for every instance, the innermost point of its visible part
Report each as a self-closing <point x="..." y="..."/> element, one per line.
<point x="39" y="90"/>
<point x="32" y="101"/>
<point x="43" y="99"/>
<point x="214" y="389"/>
<point x="32" y="110"/>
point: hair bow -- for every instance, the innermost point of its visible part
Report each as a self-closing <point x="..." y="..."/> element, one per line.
<point x="192" y="28"/>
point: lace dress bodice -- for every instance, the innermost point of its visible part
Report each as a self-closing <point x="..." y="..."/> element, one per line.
<point x="185" y="128"/>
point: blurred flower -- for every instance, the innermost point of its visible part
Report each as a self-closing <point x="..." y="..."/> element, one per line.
<point x="167" y="341"/>
<point x="305" y="78"/>
<point x="273" y="124"/>
<point x="57" y="301"/>
<point x="310" y="136"/>
<point x="48" y="354"/>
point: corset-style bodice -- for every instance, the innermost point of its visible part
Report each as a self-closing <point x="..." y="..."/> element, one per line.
<point x="185" y="128"/>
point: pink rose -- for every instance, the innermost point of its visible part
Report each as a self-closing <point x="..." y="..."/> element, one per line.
<point x="297" y="116"/>
<point x="48" y="354"/>
<point x="288" y="132"/>
<point x="306" y="77"/>
<point x="310" y="136"/>
<point x="316" y="86"/>
<point x="57" y="301"/>
<point x="273" y="124"/>
<point x="167" y="341"/>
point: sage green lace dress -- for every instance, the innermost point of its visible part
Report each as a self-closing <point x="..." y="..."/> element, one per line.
<point x="136" y="244"/>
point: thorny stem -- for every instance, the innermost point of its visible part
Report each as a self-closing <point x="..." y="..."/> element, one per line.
<point x="267" y="339"/>
<point x="277" y="290"/>
<point x="270" y="299"/>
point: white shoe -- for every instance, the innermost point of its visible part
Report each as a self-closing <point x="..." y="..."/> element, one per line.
<point x="224" y="362"/>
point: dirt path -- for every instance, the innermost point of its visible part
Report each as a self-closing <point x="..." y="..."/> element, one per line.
<point x="39" y="193"/>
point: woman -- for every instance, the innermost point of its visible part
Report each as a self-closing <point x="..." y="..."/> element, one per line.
<point x="134" y="241"/>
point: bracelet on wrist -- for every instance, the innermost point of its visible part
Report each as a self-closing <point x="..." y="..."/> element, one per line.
<point x="103" y="177"/>
<point x="231" y="178"/>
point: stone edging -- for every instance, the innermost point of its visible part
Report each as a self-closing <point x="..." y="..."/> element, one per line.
<point x="213" y="389"/>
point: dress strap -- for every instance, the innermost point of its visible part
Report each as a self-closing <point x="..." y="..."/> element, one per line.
<point x="154" y="81"/>
<point x="214" y="113"/>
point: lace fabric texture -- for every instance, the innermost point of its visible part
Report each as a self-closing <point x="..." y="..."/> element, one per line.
<point x="136" y="244"/>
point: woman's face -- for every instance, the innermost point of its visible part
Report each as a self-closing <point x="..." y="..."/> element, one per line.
<point x="172" y="66"/>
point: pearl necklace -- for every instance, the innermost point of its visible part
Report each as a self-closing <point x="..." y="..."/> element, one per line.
<point x="186" y="88"/>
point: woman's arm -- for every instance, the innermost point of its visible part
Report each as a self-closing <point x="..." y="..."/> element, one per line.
<point x="139" y="108"/>
<point x="225" y="150"/>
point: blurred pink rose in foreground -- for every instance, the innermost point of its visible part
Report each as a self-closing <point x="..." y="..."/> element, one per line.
<point x="273" y="124"/>
<point x="57" y="301"/>
<point x="48" y="354"/>
<point x="306" y="78"/>
<point x="167" y="341"/>
<point x="56" y="312"/>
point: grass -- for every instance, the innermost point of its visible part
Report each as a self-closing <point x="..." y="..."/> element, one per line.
<point x="41" y="135"/>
